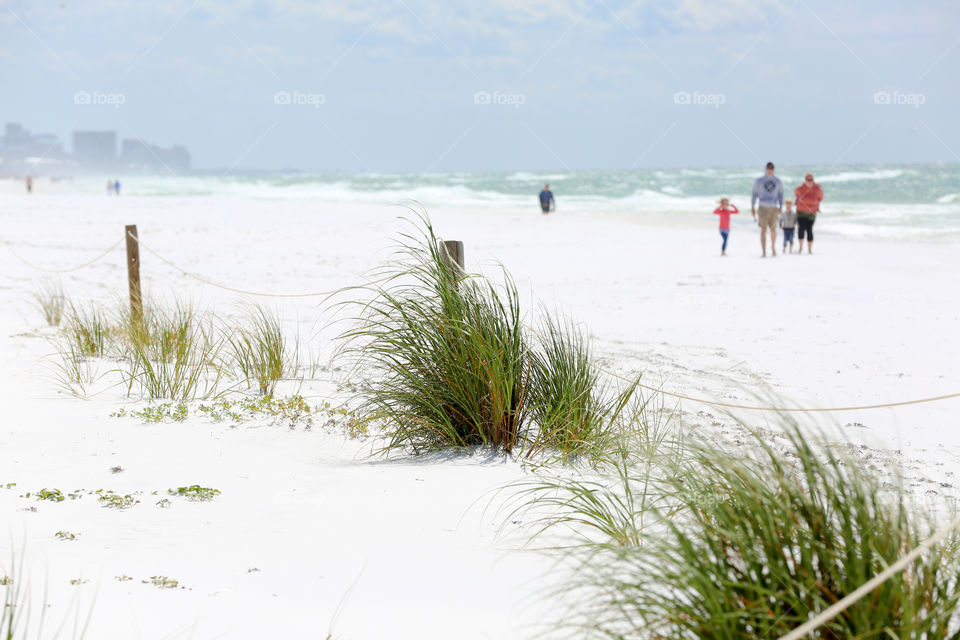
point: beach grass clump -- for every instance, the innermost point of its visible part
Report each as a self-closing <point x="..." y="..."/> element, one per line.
<point x="444" y="354"/>
<point x="51" y="300"/>
<point x="447" y="361"/>
<point x="613" y="501"/>
<point x="751" y="544"/>
<point x="172" y="353"/>
<point x="87" y="335"/>
<point x="574" y="407"/>
<point x="259" y="349"/>
<point x="89" y="331"/>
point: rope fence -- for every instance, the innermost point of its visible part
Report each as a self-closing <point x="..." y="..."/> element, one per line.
<point x="813" y="624"/>
<point x="733" y="405"/>
<point x="704" y="401"/>
<point x="99" y="257"/>
<point x="232" y="289"/>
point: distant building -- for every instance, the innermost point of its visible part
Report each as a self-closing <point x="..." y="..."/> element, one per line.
<point x="14" y="134"/>
<point x="95" y="147"/>
<point x="140" y="154"/>
<point x="24" y="152"/>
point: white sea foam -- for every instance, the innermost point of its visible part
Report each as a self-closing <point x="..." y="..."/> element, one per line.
<point x="856" y="176"/>
<point x="859" y="200"/>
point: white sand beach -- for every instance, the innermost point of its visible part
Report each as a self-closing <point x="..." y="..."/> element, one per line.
<point x="306" y="520"/>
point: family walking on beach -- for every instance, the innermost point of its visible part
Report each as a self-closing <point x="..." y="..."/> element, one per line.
<point x="774" y="211"/>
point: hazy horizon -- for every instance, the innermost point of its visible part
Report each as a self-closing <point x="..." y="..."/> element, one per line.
<point x="410" y="87"/>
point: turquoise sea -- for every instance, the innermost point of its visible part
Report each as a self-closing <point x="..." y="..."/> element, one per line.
<point x="915" y="201"/>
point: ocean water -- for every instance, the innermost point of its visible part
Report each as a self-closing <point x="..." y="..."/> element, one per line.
<point x="908" y="201"/>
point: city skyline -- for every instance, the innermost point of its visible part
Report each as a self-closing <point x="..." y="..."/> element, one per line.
<point x="23" y="152"/>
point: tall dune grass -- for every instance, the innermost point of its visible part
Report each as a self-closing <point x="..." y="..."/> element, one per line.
<point x="259" y="348"/>
<point x="576" y="409"/>
<point x="750" y="544"/>
<point x="448" y="361"/>
<point x="90" y="331"/>
<point x="444" y="354"/>
<point x="50" y="300"/>
<point x="172" y="353"/>
<point x="17" y="619"/>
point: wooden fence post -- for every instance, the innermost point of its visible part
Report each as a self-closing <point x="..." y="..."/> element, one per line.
<point x="133" y="272"/>
<point x="452" y="253"/>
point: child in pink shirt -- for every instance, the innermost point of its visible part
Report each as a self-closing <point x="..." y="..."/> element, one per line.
<point x="724" y="211"/>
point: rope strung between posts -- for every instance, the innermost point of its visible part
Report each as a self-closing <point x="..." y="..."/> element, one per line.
<point x="732" y="405"/>
<point x="39" y="268"/>
<point x="703" y="401"/>
<point x="838" y="607"/>
<point x="225" y="287"/>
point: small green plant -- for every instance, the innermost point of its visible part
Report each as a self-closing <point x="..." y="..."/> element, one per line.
<point x="122" y="578"/>
<point x="163" y="412"/>
<point x="259" y="349"/>
<point x="163" y="503"/>
<point x="53" y="495"/>
<point x="293" y="409"/>
<point x="195" y="492"/>
<point x="117" y="501"/>
<point x="51" y="300"/>
<point x="162" y="582"/>
<point x="65" y="535"/>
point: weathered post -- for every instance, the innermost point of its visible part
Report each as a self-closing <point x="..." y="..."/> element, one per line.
<point x="452" y="253"/>
<point x="133" y="272"/>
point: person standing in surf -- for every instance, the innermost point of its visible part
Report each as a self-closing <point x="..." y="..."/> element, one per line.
<point x="546" y="199"/>
<point x="808" y="196"/>
<point x="768" y="190"/>
<point x="724" y="211"/>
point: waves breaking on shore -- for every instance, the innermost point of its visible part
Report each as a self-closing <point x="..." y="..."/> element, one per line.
<point x="914" y="201"/>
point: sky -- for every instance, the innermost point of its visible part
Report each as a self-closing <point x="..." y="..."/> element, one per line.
<point x="425" y="86"/>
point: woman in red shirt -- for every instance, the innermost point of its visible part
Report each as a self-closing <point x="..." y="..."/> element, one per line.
<point x="724" y="211"/>
<point x="808" y="196"/>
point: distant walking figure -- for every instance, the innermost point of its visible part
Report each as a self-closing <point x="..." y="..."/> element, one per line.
<point x="769" y="191"/>
<point x="29" y="184"/>
<point x="808" y="196"/>
<point x="109" y="187"/>
<point x="724" y="211"/>
<point x="546" y="199"/>
<point x="116" y="187"/>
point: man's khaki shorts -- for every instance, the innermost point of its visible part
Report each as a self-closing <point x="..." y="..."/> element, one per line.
<point x="768" y="217"/>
